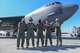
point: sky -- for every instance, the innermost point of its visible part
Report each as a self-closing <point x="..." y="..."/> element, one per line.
<point x="23" y="7"/>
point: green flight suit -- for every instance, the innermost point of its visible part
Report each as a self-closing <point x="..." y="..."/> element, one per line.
<point x="58" y="33"/>
<point x="40" y="28"/>
<point x="21" y="34"/>
<point x="30" y="33"/>
<point x="48" y="34"/>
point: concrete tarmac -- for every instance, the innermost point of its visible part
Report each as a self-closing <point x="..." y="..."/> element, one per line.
<point x="70" y="45"/>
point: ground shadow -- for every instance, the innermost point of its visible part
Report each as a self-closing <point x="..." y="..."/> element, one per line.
<point x="69" y="38"/>
<point x="53" y="48"/>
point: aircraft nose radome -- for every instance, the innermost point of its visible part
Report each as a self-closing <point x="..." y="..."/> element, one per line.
<point x="71" y="7"/>
<point x="69" y="10"/>
<point x="75" y="6"/>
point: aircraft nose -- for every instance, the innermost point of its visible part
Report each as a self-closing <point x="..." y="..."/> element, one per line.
<point x="69" y="10"/>
<point x="75" y="7"/>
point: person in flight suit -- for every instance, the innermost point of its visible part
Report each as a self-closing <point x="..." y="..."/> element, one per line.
<point x="58" y="32"/>
<point x="40" y="28"/>
<point x="30" y="32"/>
<point x="48" y="33"/>
<point x="21" y="33"/>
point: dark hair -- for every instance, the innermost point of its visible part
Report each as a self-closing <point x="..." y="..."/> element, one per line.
<point x="39" y="21"/>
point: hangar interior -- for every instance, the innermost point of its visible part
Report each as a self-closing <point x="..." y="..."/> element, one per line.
<point x="9" y="24"/>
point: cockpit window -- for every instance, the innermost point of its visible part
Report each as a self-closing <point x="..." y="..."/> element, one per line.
<point x="53" y="3"/>
<point x="50" y="4"/>
<point x="58" y="3"/>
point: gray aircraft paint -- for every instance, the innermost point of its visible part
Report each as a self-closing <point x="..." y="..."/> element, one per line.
<point x="51" y="12"/>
